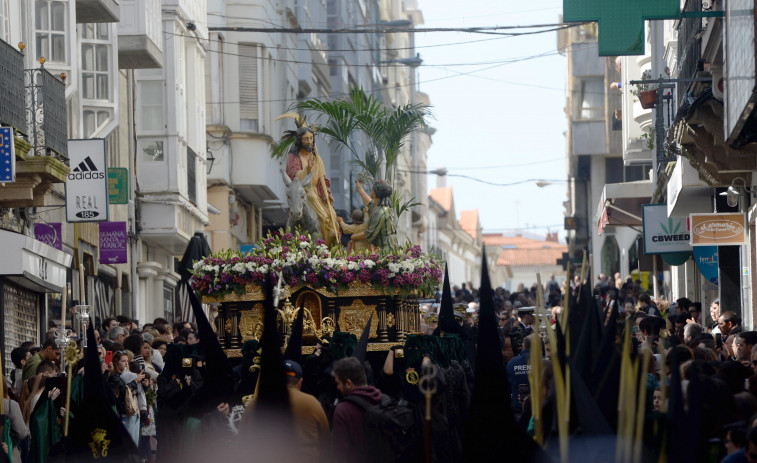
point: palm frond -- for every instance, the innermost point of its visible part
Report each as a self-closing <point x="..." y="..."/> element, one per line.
<point x="400" y="205"/>
<point x="280" y="149"/>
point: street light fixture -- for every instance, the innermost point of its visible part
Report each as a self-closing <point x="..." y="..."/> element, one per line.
<point x="413" y="61"/>
<point x="733" y="193"/>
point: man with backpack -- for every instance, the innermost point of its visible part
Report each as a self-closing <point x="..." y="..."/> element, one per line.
<point x="349" y="439"/>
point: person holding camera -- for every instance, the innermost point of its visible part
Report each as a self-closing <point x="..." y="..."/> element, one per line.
<point x="125" y="386"/>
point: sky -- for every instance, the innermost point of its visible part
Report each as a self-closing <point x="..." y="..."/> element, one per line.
<point x="503" y="124"/>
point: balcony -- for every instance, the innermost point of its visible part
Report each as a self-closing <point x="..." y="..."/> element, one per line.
<point x="140" y="45"/>
<point x="168" y="221"/>
<point x="46" y="114"/>
<point x="97" y="11"/>
<point x="12" y="104"/>
<point x="33" y="103"/>
<point x="255" y="175"/>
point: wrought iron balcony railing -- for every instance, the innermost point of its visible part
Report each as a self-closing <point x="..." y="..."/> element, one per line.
<point x="46" y="114"/>
<point x="689" y="45"/>
<point x="12" y="90"/>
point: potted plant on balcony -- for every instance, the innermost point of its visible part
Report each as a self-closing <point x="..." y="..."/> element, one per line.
<point x="646" y="93"/>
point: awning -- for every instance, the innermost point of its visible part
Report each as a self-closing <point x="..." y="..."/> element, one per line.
<point x="620" y="204"/>
<point x="33" y="264"/>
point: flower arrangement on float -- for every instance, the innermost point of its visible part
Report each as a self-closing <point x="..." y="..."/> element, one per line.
<point x="303" y="260"/>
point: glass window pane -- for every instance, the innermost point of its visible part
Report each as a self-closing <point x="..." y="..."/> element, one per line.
<point x="88" y="86"/>
<point x="42" y="45"/>
<point x="102" y="87"/>
<point x="103" y="31"/>
<point x="87" y="57"/>
<point x="152" y="118"/>
<point x="89" y="123"/>
<point x="58" y="48"/>
<point x="102" y="118"/>
<point x="89" y="31"/>
<point x="58" y="15"/>
<point x="102" y="57"/>
<point x="41" y="15"/>
<point x="152" y="93"/>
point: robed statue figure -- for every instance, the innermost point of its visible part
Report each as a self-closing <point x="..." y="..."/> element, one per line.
<point x="303" y="160"/>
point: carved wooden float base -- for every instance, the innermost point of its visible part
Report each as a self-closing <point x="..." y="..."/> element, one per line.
<point x="392" y="317"/>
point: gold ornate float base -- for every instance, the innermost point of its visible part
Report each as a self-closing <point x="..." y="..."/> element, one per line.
<point x="392" y="318"/>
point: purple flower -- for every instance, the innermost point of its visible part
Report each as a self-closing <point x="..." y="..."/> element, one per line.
<point x="311" y="278"/>
<point x="364" y="276"/>
<point x="347" y="278"/>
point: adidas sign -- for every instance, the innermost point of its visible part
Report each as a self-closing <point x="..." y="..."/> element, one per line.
<point x="86" y="170"/>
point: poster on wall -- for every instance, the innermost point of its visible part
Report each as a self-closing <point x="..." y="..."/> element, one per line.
<point x="87" y="183"/>
<point x="113" y="243"/>
<point x="663" y="234"/>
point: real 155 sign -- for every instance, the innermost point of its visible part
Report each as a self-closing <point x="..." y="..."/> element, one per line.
<point x="87" y="183"/>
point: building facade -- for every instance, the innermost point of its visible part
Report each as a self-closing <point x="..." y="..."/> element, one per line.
<point x="698" y="138"/>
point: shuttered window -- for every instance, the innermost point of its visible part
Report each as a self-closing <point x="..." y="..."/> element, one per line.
<point x="248" y="87"/>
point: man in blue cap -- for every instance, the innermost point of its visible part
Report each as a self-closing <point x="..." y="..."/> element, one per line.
<point x="309" y="417"/>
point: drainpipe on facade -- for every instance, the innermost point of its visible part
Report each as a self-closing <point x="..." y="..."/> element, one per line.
<point x="133" y="226"/>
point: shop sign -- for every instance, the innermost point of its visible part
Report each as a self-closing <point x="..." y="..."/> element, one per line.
<point x="49" y="233"/>
<point x="87" y="183"/>
<point x="7" y="156"/>
<point x="118" y="185"/>
<point x="663" y="234"/>
<point x="113" y="243"/>
<point x="706" y="258"/>
<point x="718" y="229"/>
<point x="621" y="22"/>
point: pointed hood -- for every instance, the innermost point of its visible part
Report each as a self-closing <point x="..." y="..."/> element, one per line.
<point x="490" y="424"/>
<point x="218" y="384"/>
<point x="361" y="350"/>
<point x="447" y="322"/>
<point x="197" y="249"/>
<point x="294" y="347"/>
<point x="272" y="393"/>
<point x="95" y="417"/>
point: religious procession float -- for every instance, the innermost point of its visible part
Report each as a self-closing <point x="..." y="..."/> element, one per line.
<point x="374" y="280"/>
<point x="337" y="292"/>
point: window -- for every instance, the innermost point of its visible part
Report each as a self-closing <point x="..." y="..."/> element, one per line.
<point x="50" y="25"/>
<point x="95" y="120"/>
<point x="613" y="170"/>
<point x="5" y="26"/>
<point x="248" y="87"/>
<point x="95" y="61"/>
<point x="151" y="96"/>
<point x="591" y="98"/>
<point x="191" y="176"/>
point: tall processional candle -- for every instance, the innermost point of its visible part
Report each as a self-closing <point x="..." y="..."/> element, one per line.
<point x="82" y="296"/>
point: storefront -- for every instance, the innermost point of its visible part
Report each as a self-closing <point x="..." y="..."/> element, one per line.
<point x="29" y="269"/>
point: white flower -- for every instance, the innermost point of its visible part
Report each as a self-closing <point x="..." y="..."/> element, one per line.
<point x="250" y="266"/>
<point x="239" y="267"/>
<point x="353" y="266"/>
<point x="394" y="267"/>
<point x="369" y="263"/>
<point x="304" y="244"/>
<point x="263" y="268"/>
<point x="197" y="265"/>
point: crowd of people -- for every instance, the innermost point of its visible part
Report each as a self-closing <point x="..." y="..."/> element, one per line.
<point x="347" y="407"/>
<point x="132" y="360"/>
